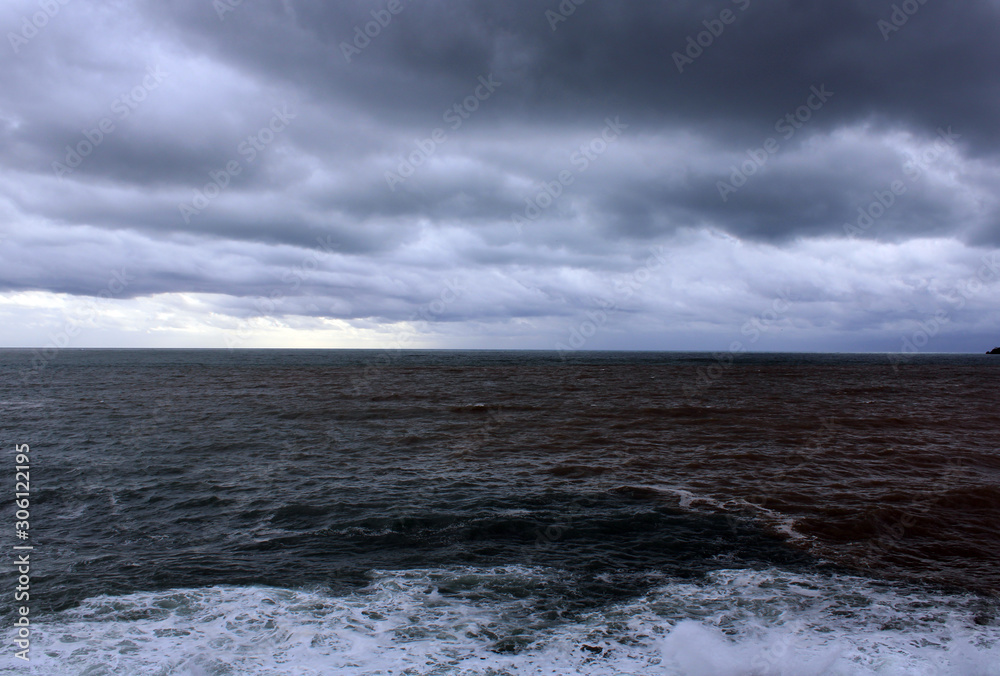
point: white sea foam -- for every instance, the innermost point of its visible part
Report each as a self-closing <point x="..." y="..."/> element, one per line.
<point x="489" y="621"/>
<point x="691" y="501"/>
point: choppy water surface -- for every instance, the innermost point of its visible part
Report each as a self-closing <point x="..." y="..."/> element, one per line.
<point x="365" y="512"/>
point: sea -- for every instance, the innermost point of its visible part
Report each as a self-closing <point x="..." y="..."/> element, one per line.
<point x="404" y="513"/>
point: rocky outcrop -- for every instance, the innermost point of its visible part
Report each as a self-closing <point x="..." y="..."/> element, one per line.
<point x="995" y="350"/>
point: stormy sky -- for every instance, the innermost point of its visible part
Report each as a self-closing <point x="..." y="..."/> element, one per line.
<point x="721" y="175"/>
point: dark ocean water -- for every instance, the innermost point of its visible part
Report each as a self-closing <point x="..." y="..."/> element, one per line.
<point x="395" y="512"/>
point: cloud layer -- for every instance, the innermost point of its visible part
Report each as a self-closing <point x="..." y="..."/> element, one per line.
<point x="498" y="174"/>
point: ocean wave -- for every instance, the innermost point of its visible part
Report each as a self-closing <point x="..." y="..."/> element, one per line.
<point x="465" y="621"/>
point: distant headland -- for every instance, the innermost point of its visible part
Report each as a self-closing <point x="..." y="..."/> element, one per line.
<point x="995" y="350"/>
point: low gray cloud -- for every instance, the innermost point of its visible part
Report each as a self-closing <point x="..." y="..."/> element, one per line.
<point x="355" y="159"/>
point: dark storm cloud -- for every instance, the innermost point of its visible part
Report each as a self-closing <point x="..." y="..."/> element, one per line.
<point x="933" y="71"/>
<point x="274" y="129"/>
